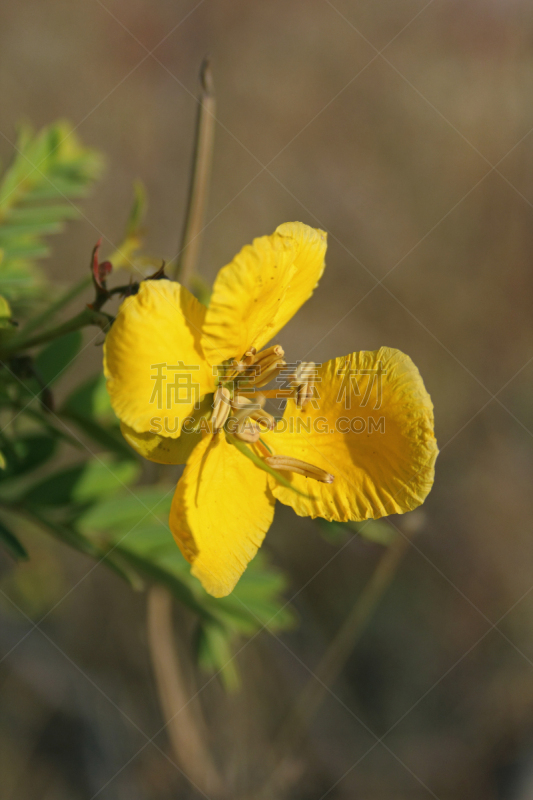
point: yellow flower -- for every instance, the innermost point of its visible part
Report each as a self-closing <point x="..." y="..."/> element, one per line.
<point x="187" y="382"/>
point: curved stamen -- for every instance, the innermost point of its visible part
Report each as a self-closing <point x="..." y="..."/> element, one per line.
<point x="302" y="382"/>
<point x="288" y="464"/>
<point x="221" y="408"/>
<point x="248" y="432"/>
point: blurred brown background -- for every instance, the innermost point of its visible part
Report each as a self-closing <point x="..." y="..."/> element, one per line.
<point x="419" y="163"/>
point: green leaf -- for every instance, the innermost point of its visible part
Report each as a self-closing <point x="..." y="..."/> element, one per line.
<point x="90" y="400"/>
<point x="5" y="309"/>
<point x="56" y="357"/>
<point x="73" y="538"/>
<point x="374" y="530"/>
<point x="50" y="165"/>
<point x="213" y="649"/>
<point x="124" y="255"/>
<point x="138" y="527"/>
<point x="117" y="514"/>
<point x="111" y="439"/>
<point x="12" y="544"/>
<point x="83" y="482"/>
<point x="27" y="453"/>
<point x="201" y="290"/>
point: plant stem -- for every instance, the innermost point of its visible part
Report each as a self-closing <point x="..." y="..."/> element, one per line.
<point x="62" y="301"/>
<point x="86" y="317"/>
<point x="200" y="179"/>
<point x="184" y="723"/>
<point x="334" y="659"/>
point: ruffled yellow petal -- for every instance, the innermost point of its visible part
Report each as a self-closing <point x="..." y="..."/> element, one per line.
<point x="261" y="289"/>
<point x="153" y="359"/>
<point x="373" y="432"/>
<point x="220" y="513"/>
<point x="164" y="450"/>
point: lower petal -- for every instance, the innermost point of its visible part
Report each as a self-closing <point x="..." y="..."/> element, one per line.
<point x="221" y="511"/>
<point x="163" y="449"/>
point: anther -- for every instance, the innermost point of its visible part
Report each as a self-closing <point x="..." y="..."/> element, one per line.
<point x="264" y="418"/>
<point x="247" y="432"/>
<point x="249" y="357"/>
<point x="221" y="408"/>
<point x="271" y="353"/>
<point x="270" y="373"/>
<point x="247" y="404"/>
<point x="288" y="464"/>
<point x="302" y="382"/>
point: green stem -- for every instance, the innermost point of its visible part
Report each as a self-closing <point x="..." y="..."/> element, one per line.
<point x="62" y="301"/>
<point x="335" y="658"/>
<point x="86" y="317"/>
<point x="200" y="179"/>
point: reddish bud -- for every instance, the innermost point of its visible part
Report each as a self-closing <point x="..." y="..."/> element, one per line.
<point x="100" y="270"/>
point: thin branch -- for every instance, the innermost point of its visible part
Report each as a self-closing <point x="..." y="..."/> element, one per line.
<point x="332" y="664"/>
<point x="48" y="313"/>
<point x="86" y="317"/>
<point x="185" y="728"/>
<point x="200" y="179"/>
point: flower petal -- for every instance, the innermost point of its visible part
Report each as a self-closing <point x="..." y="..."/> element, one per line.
<point x="373" y="431"/>
<point x="261" y="289"/>
<point x="163" y="449"/>
<point x="157" y="332"/>
<point x="220" y="513"/>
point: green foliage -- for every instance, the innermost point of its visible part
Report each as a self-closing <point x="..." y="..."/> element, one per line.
<point x="54" y="359"/>
<point x="136" y="527"/>
<point x="9" y="541"/>
<point x="374" y="530"/>
<point x="89" y="408"/>
<point x="91" y="501"/>
<point x="86" y="481"/>
<point x="49" y="170"/>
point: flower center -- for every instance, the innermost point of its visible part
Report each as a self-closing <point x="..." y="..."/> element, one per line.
<point x="238" y="408"/>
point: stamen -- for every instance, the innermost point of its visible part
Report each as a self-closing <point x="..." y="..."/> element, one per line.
<point x="243" y="407"/>
<point x="249" y="357"/>
<point x="256" y="401"/>
<point x="271" y="353"/>
<point x="269" y="374"/>
<point x="248" y="432"/>
<point x="221" y="408"/>
<point x="264" y="418"/>
<point x="288" y="464"/>
<point x="302" y="381"/>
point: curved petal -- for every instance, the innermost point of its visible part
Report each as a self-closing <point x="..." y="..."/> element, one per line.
<point x="161" y="448"/>
<point x="153" y="360"/>
<point x="261" y="289"/>
<point x="220" y="513"/>
<point x="372" y="430"/>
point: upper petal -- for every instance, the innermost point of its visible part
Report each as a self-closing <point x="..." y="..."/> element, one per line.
<point x="261" y="289"/>
<point x="373" y="430"/>
<point x="220" y="513"/>
<point x="153" y="359"/>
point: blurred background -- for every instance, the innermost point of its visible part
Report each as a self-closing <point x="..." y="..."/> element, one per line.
<point x="403" y="128"/>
